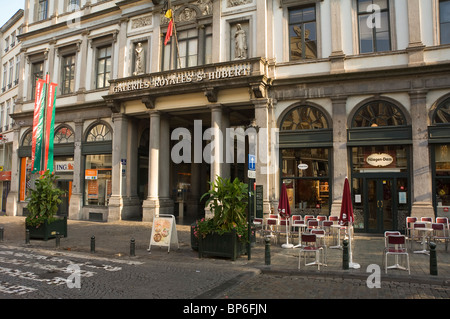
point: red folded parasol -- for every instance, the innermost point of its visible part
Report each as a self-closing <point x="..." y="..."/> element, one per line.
<point x="284" y="209"/>
<point x="346" y="216"/>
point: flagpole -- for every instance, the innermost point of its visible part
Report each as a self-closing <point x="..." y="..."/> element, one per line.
<point x="168" y="6"/>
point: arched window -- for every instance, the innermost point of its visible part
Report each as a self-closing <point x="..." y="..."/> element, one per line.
<point x="378" y="113"/>
<point x="304" y="118"/>
<point x="64" y="135"/>
<point x="99" y="133"/>
<point x="27" y="139"/>
<point x="442" y="113"/>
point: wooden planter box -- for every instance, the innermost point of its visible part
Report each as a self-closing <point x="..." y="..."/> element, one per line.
<point x="48" y="231"/>
<point x="227" y="245"/>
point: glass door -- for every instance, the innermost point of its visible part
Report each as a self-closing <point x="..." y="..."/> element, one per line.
<point x="380" y="213"/>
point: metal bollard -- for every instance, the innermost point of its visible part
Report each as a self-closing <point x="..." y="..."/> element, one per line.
<point x="27" y="236"/>
<point x="57" y="240"/>
<point x="345" y="256"/>
<point x="92" y="244"/>
<point x="433" y="260"/>
<point x="267" y="251"/>
<point x="132" y="247"/>
<point x="2" y="230"/>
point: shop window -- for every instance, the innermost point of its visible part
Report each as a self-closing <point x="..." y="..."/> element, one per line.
<point x="305" y="172"/>
<point x="372" y="159"/>
<point x="378" y="113"/>
<point x="304" y="118"/>
<point x="302" y="33"/>
<point x="98" y="187"/>
<point x="98" y="167"/>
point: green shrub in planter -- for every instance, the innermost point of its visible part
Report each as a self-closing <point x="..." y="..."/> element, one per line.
<point x="228" y="201"/>
<point x="43" y="203"/>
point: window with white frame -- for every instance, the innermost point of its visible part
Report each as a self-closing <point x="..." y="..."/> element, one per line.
<point x="373" y="26"/>
<point x="302" y="33"/>
<point x="11" y="73"/>
<point x="37" y="72"/>
<point x="16" y="77"/>
<point x="42" y="10"/>
<point x="5" y="76"/>
<point x="444" y="21"/>
<point x="68" y="74"/>
<point x="103" y="66"/>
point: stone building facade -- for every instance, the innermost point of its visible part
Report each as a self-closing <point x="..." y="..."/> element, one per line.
<point x="333" y="89"/>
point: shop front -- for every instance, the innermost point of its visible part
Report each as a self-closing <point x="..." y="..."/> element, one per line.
<point x="379" y="142"/>
<point x="439" y="137"/>
<point x="306" y="170"/>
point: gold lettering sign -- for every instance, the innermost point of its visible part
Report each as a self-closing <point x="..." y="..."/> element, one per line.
<point x="191" y="76"/>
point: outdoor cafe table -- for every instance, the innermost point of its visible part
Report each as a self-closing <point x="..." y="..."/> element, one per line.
<point x="425" y="231"/>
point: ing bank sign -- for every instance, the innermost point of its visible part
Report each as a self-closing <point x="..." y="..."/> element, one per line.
<point x="189" y="76"/>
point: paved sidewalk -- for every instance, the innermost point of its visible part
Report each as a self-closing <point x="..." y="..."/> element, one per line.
<point x="112" y="239"/>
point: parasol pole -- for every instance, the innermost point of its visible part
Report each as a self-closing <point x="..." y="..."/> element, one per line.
<point x="351" y="264"/>
<point x="287" y="245"/>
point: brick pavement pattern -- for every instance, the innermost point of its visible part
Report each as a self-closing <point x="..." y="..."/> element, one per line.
<point x="264" y="281"/>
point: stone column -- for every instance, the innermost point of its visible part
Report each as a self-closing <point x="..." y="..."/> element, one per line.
<point x="132" y="205"/>
<point x="155" y="203"/>
<point x="422" y="202"/>
<point x="416" y="46"/>
<point x="13" y="196"/>
<point x="76" y="200"/>
<point x="215" y="147"/>
<point x="263" y="151"/>
<point x="119" y="156"/>
<point x="216" y="141"/>
<point x="340" y="158"/>
<point x="337" y="54"/>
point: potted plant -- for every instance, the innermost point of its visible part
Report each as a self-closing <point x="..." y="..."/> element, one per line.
<point x="43" y="203"/>
<point x="226" y="233"/>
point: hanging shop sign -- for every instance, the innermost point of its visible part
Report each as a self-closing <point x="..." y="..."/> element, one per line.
<point x="379" y="159"/>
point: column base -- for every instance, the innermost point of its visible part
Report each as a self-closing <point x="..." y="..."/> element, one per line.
<point x="123" y="208"/>
<point x="11" y="203"/>
<point x="76" y="202"/>
<point x="422" y="209"/>
<point x="154" y="207"/>
<point x="336" y="208"/>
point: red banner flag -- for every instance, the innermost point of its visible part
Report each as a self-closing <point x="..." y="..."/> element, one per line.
<point x="50" y="127"/>
<point x="38" y="126"/>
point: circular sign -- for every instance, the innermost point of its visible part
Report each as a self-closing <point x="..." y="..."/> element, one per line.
<point x="302" y="166"/>
<point x="380" y="160"/>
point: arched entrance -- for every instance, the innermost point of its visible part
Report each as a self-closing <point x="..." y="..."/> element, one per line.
<point x="379" y="142"/>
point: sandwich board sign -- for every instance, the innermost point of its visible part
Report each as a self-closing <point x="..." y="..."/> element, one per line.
<point x="164" y="232"/>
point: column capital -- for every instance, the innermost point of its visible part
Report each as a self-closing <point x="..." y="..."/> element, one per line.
<point x="215" y="107"/>
<point x="418" y="94"/>
<point x="262" y="103"/>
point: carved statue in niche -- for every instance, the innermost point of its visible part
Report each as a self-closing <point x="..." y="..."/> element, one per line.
<point x="139" y="66"/>
<point x="240" y="41"/>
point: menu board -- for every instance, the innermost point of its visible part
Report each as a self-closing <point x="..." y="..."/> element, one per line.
<point x="164" y="231"/>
